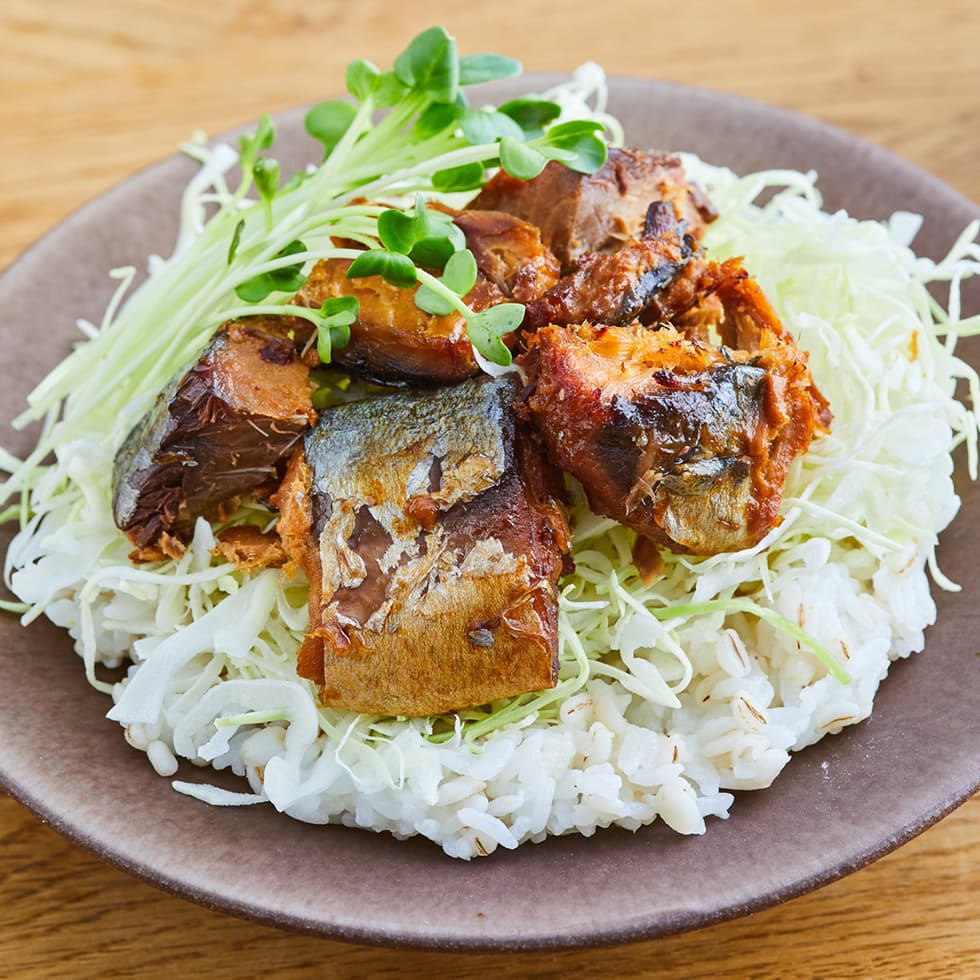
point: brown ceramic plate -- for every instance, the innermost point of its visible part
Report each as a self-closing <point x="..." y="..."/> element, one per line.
<point x="884" y="781"/>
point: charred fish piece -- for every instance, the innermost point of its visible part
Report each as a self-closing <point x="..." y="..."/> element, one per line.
<point x="616" y="288"/>
<point x="686" y="443"/>
<point x="427" y="528"/>
<point x="223" y="430"/>
<point x="600" y="212"/>
<point x="392" y="341"/>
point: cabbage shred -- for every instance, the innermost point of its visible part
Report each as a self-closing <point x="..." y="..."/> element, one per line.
<point x="213" y="648"/>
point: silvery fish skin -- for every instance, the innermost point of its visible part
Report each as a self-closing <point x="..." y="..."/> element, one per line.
<point x="686" y="461"/>
<point x="687" y="443"/>
<point x="433" y="550"/>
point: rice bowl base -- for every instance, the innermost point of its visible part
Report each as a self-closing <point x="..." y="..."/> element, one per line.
<point x="837" y="806"/>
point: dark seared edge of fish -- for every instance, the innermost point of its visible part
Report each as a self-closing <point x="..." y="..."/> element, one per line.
<point x="222" y="430"/>
<point x="614" y="289"/>
<point x="686" y="443"/>
<point x="581" y="213"/>
<point x="426" y="525"/>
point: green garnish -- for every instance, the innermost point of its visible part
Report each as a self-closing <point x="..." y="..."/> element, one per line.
<point x="476" y="68"/>
<point x="235" y="239"/>
<point x="403" y="135"/>
<point x="393" y="267"/>
<point x="283" y="280"/>
<point x="468" y="177"/>
<point x="265" y="173"/>
<point x="328" y="122"/>
<point x="531" y="114"/>
<point x="459" y="277"/>
<point x="429" y="140"/>
<point x="337" y="313"/>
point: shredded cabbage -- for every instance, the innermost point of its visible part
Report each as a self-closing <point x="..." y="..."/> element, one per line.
<point x="212" y="649"/>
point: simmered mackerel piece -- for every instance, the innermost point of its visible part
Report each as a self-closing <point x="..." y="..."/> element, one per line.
<point x="396" y="343"/>
<point x="615" y="288"/>
<point x="509" y="253"/>
<point x="225" y="429"/>
<point x="393" y="341"/>
<point x="433" y="547"/>
<point x="686" y="443"/>
<point x="579" y="213"/>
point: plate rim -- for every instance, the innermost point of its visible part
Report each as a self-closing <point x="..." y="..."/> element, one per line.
<point x="414" y="938"/>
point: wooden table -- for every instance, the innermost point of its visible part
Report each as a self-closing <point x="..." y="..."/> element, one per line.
<point x="89" y="92"/>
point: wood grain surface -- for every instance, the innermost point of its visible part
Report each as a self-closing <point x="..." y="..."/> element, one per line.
<point x="90" y="92"/>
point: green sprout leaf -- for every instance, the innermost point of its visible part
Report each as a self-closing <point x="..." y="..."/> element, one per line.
<point x="429" y="301"/>
<point x="436" y="118"/>
<point x="397" y="231"/>
<point x="437" y="237"/>
<point x="387" y="90"/>
<point x="361" y="75"/>
<point x="488" y="326"/>
<point x="430" y="65"/>
<point x="521" y="160"/>
<point x="443" y="224"/>
<point x="532" y="115"/>
<point x="337" y="314"/>
<point x="328" y="121"/>
<point x="255" y="290"/>
<point x="433" y="253"/>
<point x="487" y="126"/>
<point x="286" y="280"/>
<point x="251" y="143"/>
<point x="475" y="68"/>
<point x="235" y="241"/>
<point x="426" y="223"/>
<point x="428" y="237"/>
<point x="266" y="133"/>
<point x="459" y="277"/>
<point x="394" y="268"/>
<point x="460" y="273"/>
<point x="576" y="144"/>
<point x="341" y="310"/>
<point x="468" y="177"/>
<point x="266" y="175"/>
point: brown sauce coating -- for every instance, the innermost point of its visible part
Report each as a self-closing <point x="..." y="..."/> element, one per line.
<point x="428" y="523"/>
<point x="418" y="617"/>
<point x="684" y="442"/>
<point x="580" y="213"/>
<point x="393" y="341"/>
<point x="615" y="288"/>
<point x="221" y="431"/>
<point x="509" y="253"/>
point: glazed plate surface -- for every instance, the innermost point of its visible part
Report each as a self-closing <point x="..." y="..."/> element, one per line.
<point x="837" y="806"/>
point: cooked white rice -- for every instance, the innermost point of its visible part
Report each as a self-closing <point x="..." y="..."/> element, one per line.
<point x="659" y="713"/>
